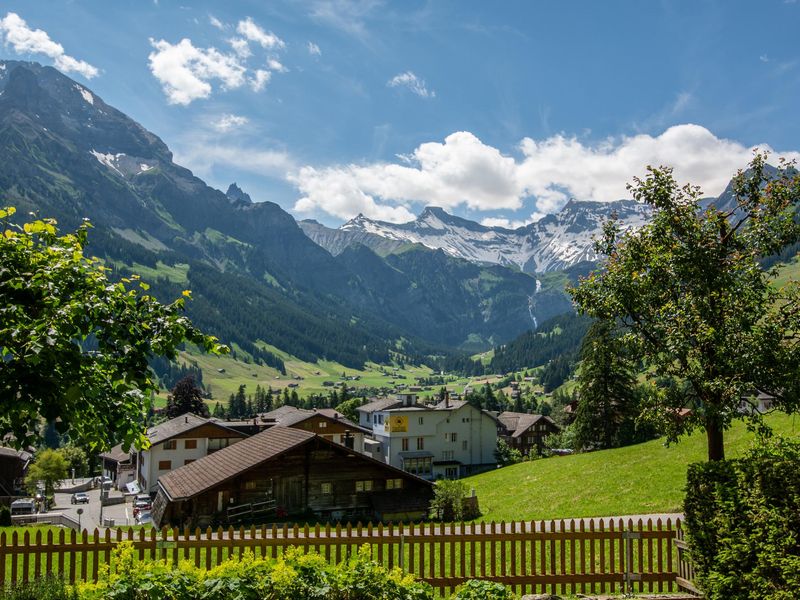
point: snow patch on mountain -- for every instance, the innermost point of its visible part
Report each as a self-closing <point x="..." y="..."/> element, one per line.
<point x="122" y="164"/>
<point x="555" y="242"/>
<point x="107" y="159"/>
<point x="87" y="95"/>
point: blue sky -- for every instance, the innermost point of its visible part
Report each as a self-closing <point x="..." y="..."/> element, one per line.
<point x="500" y="112"/>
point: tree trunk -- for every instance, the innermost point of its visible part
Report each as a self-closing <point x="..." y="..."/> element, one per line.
<point x="714" y="434"/>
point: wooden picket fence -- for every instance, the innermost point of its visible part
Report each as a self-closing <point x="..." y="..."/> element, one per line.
<point x="558" y="557"/>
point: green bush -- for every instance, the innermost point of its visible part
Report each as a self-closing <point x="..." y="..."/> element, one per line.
<point x="49" y="588"/>
<point x="476" y="589"/>
<point x="294" y="575"/>
<point x="743" y="521"/>
<point x="5" y="516"/>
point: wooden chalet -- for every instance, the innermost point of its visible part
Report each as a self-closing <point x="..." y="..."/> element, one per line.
<point x="284" y="472"/>
<point x="525" y="432"/>
<point x="327" y="422"/>
<point x="13" y="466"/>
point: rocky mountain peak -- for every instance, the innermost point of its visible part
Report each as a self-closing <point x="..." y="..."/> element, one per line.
<point x="236" y="194"/>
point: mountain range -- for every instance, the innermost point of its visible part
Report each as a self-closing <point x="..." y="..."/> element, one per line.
<point x="257" y="279"/>
<point x="369" y="290"/>
<point x="556" y="242"/>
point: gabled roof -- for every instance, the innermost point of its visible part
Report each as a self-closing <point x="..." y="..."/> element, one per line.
<point x="380" y="404"/>
<point x="116" y="454"/>
<point x="207" y="472"/>
<point x="211" y="470"/>
<point x="518" y="423"/>
<point x="14" y="453"/>
<point x="183" y="424"/>
<point x="450" y="404"/>
<point x="290" y="415"/>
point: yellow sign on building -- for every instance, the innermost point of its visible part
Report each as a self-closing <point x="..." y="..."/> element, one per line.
<point x="397" y="423"/>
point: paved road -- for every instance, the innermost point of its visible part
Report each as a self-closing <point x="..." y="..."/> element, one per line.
<point x="90" y="519"/>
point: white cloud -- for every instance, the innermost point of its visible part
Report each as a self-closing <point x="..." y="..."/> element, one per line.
<point x="463" y="171"/>
<point x="348" y="16"/>
<point x="413" y="83"/>
<point x="275" y="65"/>
<point x="253" y="32"/>
<point x="202" y="154"/>
<point x="313" y="49"/>
<point x="241" y="47"/>
<point x="227" y="122"/>
<point x="25" y="40"/>
<point x="259" y="80"/>
<point x="763" y="58"/>
<point x="509" y="223"/>
<point x="185" y="71"/>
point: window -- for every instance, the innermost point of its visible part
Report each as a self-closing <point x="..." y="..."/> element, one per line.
<point x="450" y="437"/>
<point x="171" y="445"/>
<point x="217" y="444"/>
<point x="190" y="444"/>
<point x="187" y="461"/>
<point x="454" y="437"/>
<point x="464" y="445"/>
<point x="394" y="484"/>
<point x="447" y="455"/>
<point x="420" y="443"/>
<point x="405" y="444"/>
<point x="250" y="485"/>
<point x="364" y="486"/>
<point x="418" y="466"/>
<point x="164" y="465"/>
<point x="380" y="419"/>
<point x="421" y="420"/>
<point x="326" y="488"/>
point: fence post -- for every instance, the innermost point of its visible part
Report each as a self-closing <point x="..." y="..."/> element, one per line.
<point x="402" y="550"/>
<point x="630" y="576"/>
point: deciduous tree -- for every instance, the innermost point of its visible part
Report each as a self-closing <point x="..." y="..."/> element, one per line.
<point x="74" y="345"/>
<point x="695" y="302"/>
<point x="186" y="397"/>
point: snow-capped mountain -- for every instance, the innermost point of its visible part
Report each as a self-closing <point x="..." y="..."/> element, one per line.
<point x="555" y="242"/>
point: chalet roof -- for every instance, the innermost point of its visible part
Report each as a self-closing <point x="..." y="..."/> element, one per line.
<point x="209" y="471"/>
<point x="183" y="424"/>
<point x="116" y="454"/>
<point x="197" y="476"/>
<point x="518" y="423"/>
<point x="14" y="453"/>
<point x="380" y="404"/>
<point x="291" y="415"/>
<point x="450" y="404"/>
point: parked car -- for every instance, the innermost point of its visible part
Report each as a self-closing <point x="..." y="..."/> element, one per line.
<point x="23" y="506"/>
<point x="144" y="518"/>
<point x="79" y="498"/>
<point x="141" y="503"/>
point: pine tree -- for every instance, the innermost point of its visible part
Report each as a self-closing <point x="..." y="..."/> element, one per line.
<point x="606" y="389"/>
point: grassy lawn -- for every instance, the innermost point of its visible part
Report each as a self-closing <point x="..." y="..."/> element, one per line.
<point x="646" y="478"/>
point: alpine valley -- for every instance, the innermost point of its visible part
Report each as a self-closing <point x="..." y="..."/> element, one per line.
<point x="259" y="279"/>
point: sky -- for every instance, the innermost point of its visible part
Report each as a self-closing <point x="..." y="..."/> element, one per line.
<point x="500" y="112"/>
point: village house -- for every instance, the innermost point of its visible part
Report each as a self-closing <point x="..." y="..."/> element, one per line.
<point x="525" y="432"/>
<point x="118" y="466"/>
<point x="327" y="422"/>
<point x="13" y="466"/>
<point x="285" y="472"/>
<point x="178" y="442"/>
<point x="448" y="440"/>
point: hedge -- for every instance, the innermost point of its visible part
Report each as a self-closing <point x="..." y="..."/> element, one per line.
<point x="295" y="575"/>
<point x="743" y="523"/>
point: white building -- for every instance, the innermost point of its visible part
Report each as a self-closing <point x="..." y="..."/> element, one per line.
<point x="178" y="442"/>
<point x="449" y="440"/>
